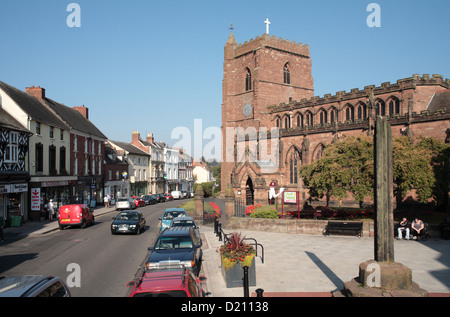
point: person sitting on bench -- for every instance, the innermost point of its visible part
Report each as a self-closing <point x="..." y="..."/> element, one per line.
<point x="403" y="226"/>
<point x="417" y="228"/>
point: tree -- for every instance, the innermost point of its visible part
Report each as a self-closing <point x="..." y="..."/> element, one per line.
<point x="346" y="166"/>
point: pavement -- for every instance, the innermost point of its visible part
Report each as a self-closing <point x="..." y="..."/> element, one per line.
<point x="300" y="265"/>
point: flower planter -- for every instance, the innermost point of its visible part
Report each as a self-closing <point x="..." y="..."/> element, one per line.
<point x="234" y="275"/>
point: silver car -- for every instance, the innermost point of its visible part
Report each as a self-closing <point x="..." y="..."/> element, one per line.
<point x="33" y="286"/>
<point x="125" y="203"/>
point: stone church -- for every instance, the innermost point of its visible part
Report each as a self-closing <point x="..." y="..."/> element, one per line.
<point x="268" y="87"/>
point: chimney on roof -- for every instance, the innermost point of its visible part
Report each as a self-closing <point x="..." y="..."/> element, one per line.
<point x="150" y="138"/>
<point x="83" y="110"/>
<point x="37" y="92"/>
<point x="135" y="137"/>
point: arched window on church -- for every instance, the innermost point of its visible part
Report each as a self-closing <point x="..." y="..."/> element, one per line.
<point x="248" y="80"/>
<point x="323" y="117"/>
<point x="300" y="121"/>
<point x="380" y="107"/>
<point x="318" y="152"/>
<point x="349" y="113"/>
<point x="333" y="115"/>
<point x="361" y="111"/>
<point x="394" y="106"/>
<point x="287" y="74"/>
<point x="278" y="122"/>
<point x="294" y="163"/>
<point x="287" y="122"/>
<point x="309" y="118"/>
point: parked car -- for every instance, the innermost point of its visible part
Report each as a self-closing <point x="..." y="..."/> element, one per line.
<point x="125" y="203"/>
<point x="172" y="282"/>
<point x="176" y="194"/>
<point x="150" y="199"/>
<point x="129" y="221"/>
<point x="33" y="286"/>
<point x="138" y="201"/>
<point x="77" y="215"/>
<point x="161" y="198"/>
<point x="185" y="221"/>
<point x="168" y="215"/>
<point x="168" y="196"/>
<point x="177" y="245"/>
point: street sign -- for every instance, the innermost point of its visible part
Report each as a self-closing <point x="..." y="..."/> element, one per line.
<point x="35" y="199"/>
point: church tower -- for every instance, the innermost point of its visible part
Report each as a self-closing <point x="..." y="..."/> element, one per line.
<point x="261" y="72"/>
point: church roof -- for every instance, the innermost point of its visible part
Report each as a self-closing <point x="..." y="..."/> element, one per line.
<point x="441" y="100"/>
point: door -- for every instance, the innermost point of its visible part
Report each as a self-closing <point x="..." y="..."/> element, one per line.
<point x="249" y="192"/>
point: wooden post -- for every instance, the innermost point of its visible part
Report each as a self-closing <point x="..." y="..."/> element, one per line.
<point x="383" y="192"/>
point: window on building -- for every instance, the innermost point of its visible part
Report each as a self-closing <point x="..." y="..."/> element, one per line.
<point x="380" y="107"/>
<point x="248" y="80"/>
<point x="75" y="165"/>
<point x="309" y="119"/>
<point x="287" y="74"/>
<point x="61" y="134"/>
<point x="333" y="115"/>
<point x="394" y="106"/>
<point x="39" y="158"/>
<point x="62" y="160"/>
<point x="38" y="128"/>
<point x="323" y="117"/>
<point x="52" y="132"/>
<point x="294" y="163"/>
<point x="287" y="122"/>
<point x="300" y="121"/>
<point x="361" y="112"/>
<point x="12" y="148"/>
<point x="52" y="159"/>
<point x="349" y="113"/>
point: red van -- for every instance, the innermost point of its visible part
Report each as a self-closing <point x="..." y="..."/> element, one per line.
<point x="75" y="215"/>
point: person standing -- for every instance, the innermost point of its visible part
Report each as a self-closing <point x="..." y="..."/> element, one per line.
<point x="106" y="201"/>
<point x="50" y="210"/>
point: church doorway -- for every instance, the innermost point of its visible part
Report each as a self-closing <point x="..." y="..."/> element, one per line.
<point x="249" y="192"/>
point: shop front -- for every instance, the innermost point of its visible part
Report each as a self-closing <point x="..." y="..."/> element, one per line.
<point x="13" y="202"/>
<point x="89" y="190"/>
<point x="60" y="191"/>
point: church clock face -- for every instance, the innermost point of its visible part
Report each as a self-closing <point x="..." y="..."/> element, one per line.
<point x="247" y="110"/>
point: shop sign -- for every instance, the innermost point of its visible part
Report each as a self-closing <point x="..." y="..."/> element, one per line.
<point x="19" y="188"/>
<point x="35" y="199"/>
<point x="5" y="189"/>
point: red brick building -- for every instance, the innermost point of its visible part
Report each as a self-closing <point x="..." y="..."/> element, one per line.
<point x="267" y="83"/>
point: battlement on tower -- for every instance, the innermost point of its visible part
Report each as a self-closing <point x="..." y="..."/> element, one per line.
<point x="275" y="43"/>
<point x="386" y="87"/>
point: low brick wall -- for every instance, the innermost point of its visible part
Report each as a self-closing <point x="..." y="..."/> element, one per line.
<point x="305" y="226"/>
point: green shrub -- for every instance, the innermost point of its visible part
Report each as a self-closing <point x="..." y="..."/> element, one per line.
<point x="265" y="212"/>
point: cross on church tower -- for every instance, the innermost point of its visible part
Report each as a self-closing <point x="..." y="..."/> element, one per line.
<point x="267" y="22"/>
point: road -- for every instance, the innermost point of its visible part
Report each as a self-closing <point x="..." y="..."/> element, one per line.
<point x="106" y="262"/>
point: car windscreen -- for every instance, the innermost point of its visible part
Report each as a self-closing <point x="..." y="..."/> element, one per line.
<point x="173" y="214"/>
<point x="166" y="243"/>
<point x="127" y="216"/>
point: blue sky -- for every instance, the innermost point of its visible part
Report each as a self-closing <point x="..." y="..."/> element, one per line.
<point x="152" y="66"/>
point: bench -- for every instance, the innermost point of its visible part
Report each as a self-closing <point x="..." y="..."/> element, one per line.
<point x="344" y="227"/>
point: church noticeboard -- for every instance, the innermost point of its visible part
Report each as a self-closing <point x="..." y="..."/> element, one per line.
<point x="290" y="197"/>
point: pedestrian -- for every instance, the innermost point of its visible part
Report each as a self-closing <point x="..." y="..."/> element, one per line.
<point x="2" y="225"/>
<point x="106" y="201"/>
<point x="50" y="210"/>
<point x="403" y="226"/>
<point x="109" y="199"/>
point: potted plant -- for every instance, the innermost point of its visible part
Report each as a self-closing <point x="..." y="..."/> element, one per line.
<point x="235" y="255"/>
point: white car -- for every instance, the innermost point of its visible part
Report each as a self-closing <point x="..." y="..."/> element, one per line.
<point x="125" y="203"/>
<point x="176" y="194"/>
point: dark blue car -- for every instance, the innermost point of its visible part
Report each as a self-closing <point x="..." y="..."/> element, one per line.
<point x="174" y="247"/>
